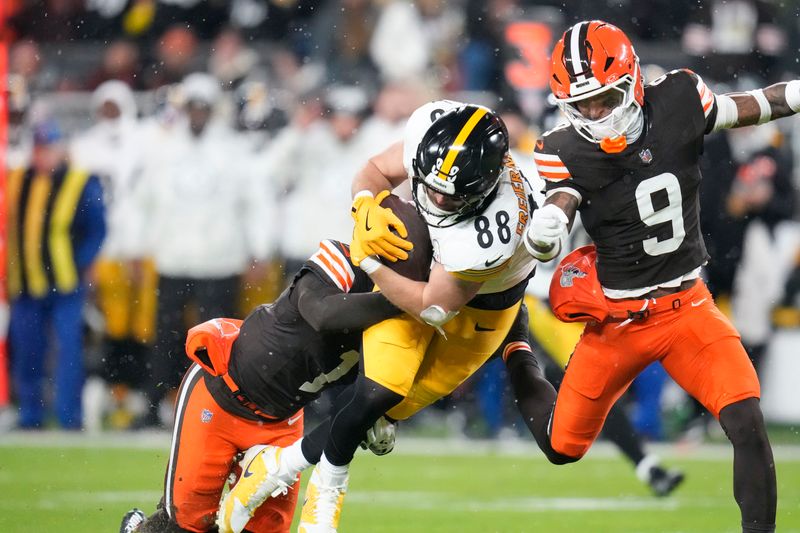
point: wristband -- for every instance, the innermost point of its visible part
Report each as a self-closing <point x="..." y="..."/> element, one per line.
<point x="764" y="108"/>
<point x="365" y="192"/>
<point x="792" y="95"/>
<point x="370" y="264"/>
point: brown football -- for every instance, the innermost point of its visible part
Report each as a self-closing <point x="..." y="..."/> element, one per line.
<point x="418" y="264"/>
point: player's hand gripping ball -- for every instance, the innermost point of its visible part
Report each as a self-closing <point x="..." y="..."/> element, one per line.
<point x="418" y="264"/>
<point x="373" y="233"/>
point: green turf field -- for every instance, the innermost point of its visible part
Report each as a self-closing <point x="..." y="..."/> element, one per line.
<point x="52" y="488"/>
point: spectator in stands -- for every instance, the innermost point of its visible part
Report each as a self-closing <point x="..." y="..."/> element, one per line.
<point x="120" y="62"/>
<point x="17" y="156"/>
<point x="728" y="38"/>
<point x="396" y="101"/>
<point x="20" y="136"/>
<point x="49" y="20"/>
<point x="400" y="22"/>
<point x="341" y="34"/>
<point x="231" y="61"/>
<point x="206" y="220"/>
<point x="318" y="185"/>
<point x="25" y="60"/>
<point x="56" y="227"/>
<point x="175" y="56"/>
<point x="125" y="289"/>
<point x="764" y="197"/>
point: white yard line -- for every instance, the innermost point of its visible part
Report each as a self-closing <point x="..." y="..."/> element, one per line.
<point x="70" y="500"/>
<point x="438" y="501"/>
<point x="409" y="500"/>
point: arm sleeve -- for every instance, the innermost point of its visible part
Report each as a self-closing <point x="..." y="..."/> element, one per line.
<point x="326" y="308"/>
<point x="534" y="395"/>
<point x="92" y="224"/>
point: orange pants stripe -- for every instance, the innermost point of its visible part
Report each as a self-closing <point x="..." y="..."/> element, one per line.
<point x="204" y="443"/>
<point x="692" y="339"/>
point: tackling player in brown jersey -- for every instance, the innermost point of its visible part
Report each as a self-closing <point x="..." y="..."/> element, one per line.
<point x="629" y="164"/>
<point x="280" y="358"/>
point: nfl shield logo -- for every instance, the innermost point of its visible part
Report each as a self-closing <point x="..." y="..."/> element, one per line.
<point x="646" y="156"/>
<point x="205" y="416"/>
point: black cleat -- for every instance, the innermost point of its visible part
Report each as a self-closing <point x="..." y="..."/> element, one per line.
<point x="662" y="482"/>
<point x="131" y="521"/>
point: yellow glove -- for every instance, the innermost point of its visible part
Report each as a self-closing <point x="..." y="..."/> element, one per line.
<point x="357" y="252"/>
<point x="372" y="233"/>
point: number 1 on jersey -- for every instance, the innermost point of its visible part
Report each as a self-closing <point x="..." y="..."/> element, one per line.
<point x="672" y="212"/>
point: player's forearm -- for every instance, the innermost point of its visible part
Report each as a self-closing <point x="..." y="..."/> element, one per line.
<point x="354" y="311"/>
<point x="370" y="178"/>
<point x="442" y="290"/>
<point x="407" y="294"/>
<point x="568" y="203"/>
<point x="761" y="105"/>
<point x="327" y="309"/>
<point x="382" y="172"/>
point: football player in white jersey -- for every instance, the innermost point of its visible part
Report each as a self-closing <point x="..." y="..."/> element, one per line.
<point x="477" y="205"/>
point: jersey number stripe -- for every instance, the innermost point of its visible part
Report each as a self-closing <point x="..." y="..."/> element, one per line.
<point x="672" y="212"/>
<point x="349" y="360"/>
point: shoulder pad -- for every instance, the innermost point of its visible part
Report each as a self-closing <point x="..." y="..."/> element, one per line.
<point x="547" y="158"/>
<point x="333" y="259"/>
<point x="686" y="78"/>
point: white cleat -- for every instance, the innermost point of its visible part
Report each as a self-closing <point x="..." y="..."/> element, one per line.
<point x="322" y="506"/>
<point x="380" y="437"/>
<point x="262" y="476"/>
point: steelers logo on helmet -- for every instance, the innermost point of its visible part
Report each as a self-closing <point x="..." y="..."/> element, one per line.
<point x="598" y="84"/>
<point x="458" y="164"/>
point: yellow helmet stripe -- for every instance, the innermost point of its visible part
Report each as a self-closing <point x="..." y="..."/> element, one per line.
<point x="458" y="144"/>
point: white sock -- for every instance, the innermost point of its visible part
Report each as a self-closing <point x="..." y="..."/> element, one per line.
<point x="293" y="459"/>
<point x="332" y="475"/>
<point x="644" y="466"/>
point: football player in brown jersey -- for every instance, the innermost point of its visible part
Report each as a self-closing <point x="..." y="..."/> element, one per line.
<point x="250" y="391"/>
<point x="628" y="161"/>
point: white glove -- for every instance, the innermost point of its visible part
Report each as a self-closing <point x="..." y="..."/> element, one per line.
<point x="380" y="437"/>
<point x="546" y="231"/>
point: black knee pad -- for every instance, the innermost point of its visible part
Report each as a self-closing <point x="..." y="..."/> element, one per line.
<point x="743" y="422"/>
<point x="373" y="397"/>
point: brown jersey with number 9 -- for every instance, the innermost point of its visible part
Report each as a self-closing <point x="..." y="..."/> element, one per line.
<point x="640" y="206"/>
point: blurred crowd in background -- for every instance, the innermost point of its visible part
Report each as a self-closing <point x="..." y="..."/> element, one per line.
<point x="204" y="147"/>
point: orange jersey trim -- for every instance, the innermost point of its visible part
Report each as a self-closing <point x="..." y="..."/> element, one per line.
<point x="335" y="265"/>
